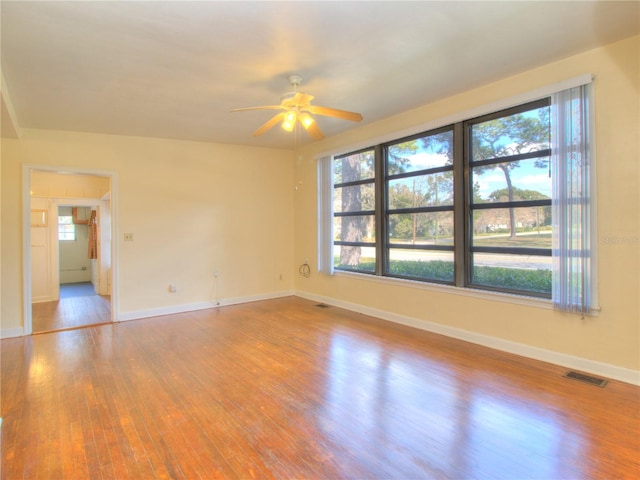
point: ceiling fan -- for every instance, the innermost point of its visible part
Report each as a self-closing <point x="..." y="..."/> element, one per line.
<point x="297" y="108"/>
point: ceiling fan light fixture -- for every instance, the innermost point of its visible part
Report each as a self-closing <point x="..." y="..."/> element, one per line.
<point x="290" y="116"/>
<point x="288" y="126"/>
<point x="289" y="121"/>
<point x="306" y="120"/>
<point x="296" y="106"/>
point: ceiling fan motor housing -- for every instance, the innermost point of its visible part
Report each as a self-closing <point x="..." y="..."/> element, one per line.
<point x="287" y="96"/>
<point x="295" y="79"/>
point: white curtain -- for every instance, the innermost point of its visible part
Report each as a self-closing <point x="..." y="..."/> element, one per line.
<point x="325" y="215"/>
<point x="571" y="163"/>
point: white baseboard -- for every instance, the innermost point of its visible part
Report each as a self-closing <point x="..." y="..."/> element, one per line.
<point x="569" y="361"/>
<point x="47" y="298"/>
<point x="156" y="312"/>
<point x="11" y="332"/>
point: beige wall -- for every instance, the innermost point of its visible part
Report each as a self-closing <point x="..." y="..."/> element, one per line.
<point x="194" y="208"/>
<point x="11" y="255"/>
<point x="612" y="337"/>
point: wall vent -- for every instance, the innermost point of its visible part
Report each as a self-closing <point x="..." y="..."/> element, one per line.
<point x="598" y="382"/>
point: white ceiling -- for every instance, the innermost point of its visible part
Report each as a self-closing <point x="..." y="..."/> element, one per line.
<point x="175" y="69"/>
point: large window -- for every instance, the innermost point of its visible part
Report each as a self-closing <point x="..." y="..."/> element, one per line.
<point x="419" y="218"/>
<point x="468" y="204"/>
<point x="507" y="157"/>
<point x="354" y="212"/>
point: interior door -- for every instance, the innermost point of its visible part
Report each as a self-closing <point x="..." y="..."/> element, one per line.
<point x="41" y="262"/>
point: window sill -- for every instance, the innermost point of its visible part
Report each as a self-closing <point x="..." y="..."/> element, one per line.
<point x="451" y="290"/>
<point x="543" y="303"/>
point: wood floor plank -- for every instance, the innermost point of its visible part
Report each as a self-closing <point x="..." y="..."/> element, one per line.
<point x="282" y="389"/>
<point x="72" y="312"/>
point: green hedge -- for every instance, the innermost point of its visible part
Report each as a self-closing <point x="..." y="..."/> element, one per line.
<point x="435" y="270"/>
<point x="538" y="281"/>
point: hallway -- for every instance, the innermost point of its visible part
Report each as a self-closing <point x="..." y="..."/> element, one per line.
<point x="79" y="306"/>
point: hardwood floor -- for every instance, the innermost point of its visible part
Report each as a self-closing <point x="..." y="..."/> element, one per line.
<point x="70" y="312"/>
<point x="285" y="389"/>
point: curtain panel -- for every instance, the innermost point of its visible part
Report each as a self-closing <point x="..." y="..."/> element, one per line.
<point x="572" y="165"/>
<point x="93" y="235"/>
<point x="325" y="215"/>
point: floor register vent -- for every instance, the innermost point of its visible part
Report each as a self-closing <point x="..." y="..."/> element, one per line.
<point x="598" y="382"/>
<point x="322" y="305"/>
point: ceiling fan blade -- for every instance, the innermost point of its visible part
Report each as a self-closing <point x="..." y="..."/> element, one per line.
<point x="313" y="130"/>
<point x="334" y="112"/>
<point x="269" y="124"/>
<point x="302" y="98"/>
<point x="266" y="107"/>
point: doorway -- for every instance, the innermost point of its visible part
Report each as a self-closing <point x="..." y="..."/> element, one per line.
<point x="69" y="254"/>
<point x="82" y="298"/>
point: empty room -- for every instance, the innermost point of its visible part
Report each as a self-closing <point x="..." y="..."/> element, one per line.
<point x="320" y="240"/>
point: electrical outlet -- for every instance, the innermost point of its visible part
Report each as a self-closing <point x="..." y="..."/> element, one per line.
<point x="128" y="237"/>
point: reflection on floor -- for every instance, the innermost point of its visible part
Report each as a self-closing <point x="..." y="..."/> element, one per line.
<point x="281" y="389"/>
<point x="79" y="306"/>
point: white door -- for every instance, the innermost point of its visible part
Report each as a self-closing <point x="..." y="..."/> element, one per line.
<point x="42" y="281"/>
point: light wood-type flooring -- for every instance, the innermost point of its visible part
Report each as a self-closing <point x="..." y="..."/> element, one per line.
<point x="285" y="389"/>
<point x="70" y="311"/>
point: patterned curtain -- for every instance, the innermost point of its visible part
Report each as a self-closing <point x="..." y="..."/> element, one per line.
<point x="93" y="235"/>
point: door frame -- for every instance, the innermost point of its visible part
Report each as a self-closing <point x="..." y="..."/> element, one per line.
<point x="26" y="235"/>
<point x="54" y="207"/>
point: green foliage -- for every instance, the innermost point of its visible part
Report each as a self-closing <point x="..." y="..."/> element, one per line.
<point x="402" y="228"/>
<point x="441" y="143"/>
<point x="537" y="281"/>
<point x="400" y="156"/>
<point x="510" y="135"/>
<point x="439" y="270"/>
<point x="518" y="194"/>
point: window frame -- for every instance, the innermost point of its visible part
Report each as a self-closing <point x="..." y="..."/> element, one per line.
<point x="387" y="245"/>
<point x="470" y="206"/>
<point x="62" y="233"/>
<point x="461" y="225"/>
<point x="374" y="181"/>
<point x="462" y="208"/>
